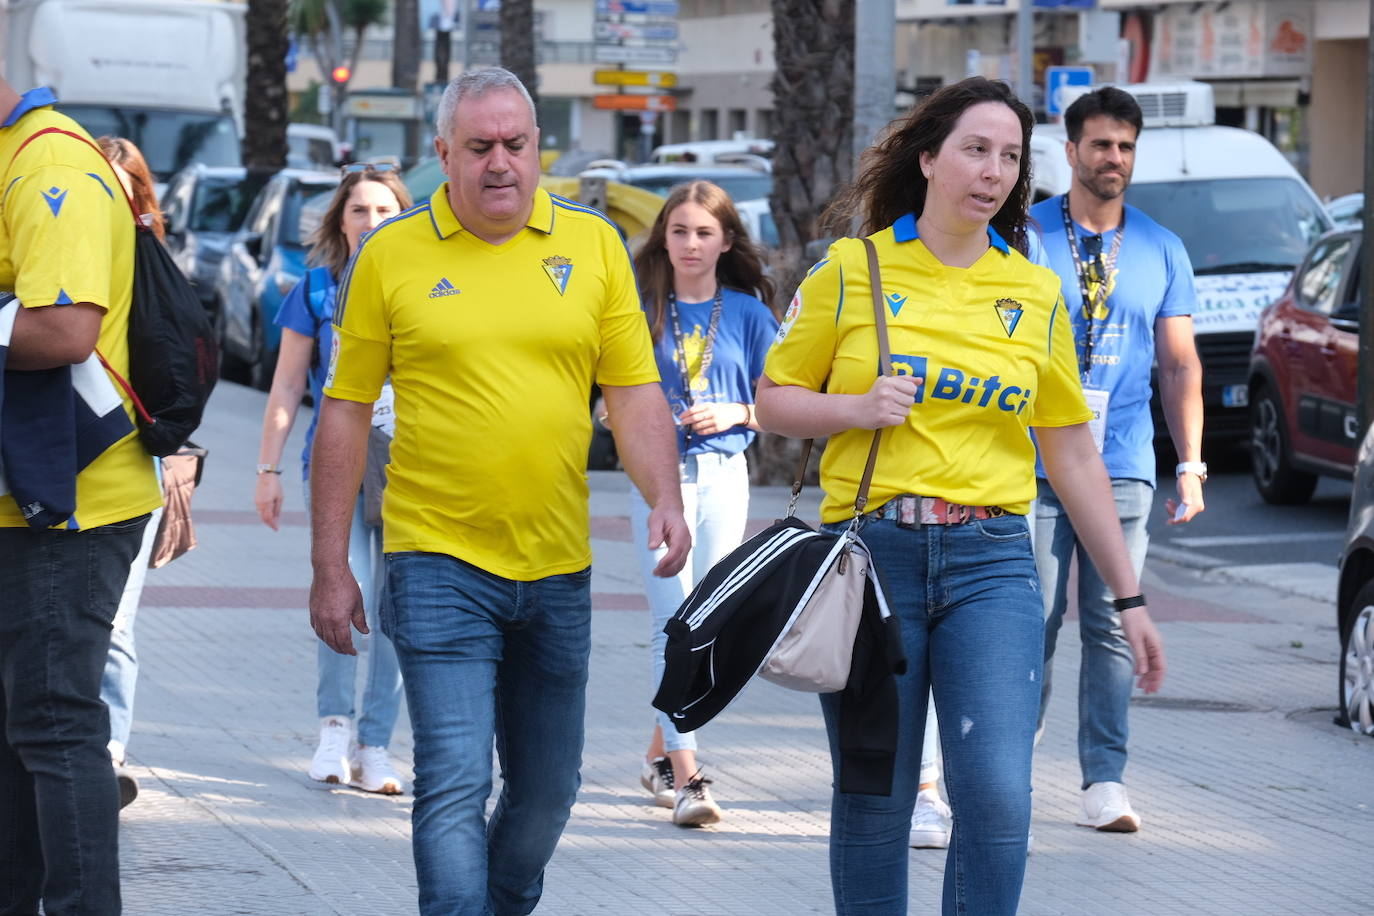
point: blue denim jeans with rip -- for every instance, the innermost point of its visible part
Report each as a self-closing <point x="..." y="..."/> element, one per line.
<point x="59" y="805"/>
<point x="972" y="625"/>
<point x="487" y="659"/>
<point x="1107" y="669"/>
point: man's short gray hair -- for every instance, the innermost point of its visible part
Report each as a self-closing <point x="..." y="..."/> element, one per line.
<point x="475" y="84"/>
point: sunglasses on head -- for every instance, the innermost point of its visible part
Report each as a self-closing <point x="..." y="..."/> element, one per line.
<point x="355" y="167"/>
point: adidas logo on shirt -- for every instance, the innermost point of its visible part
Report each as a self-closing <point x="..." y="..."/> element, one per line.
<point x="443" y="288"/>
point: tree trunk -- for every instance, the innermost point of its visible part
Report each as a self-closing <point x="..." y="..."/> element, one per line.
<point x="405" y="45"/>
<point x="517" y="43"/>
<point x="265" y="101"/>
<point x="813" y="92"/>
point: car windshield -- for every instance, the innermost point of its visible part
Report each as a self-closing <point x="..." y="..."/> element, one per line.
<point x="221" y="204"/>
<point x="746" y="186"/>
<point x="169" y="140"/>
<point x="1235" y="225"/>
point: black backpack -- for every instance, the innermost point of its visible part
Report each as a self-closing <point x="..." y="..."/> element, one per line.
<point x="173" y="352"/>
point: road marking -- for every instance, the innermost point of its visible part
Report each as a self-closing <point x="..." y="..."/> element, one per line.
<point x="1250" y="540"/>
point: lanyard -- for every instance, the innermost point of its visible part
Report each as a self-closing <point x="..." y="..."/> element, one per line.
<point x="707" y="347"/>
<point x="1091" y="303"/>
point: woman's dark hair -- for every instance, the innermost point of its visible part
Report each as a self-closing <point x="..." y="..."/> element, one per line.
<point x="1110" y="101"/>
<point x="126" y="155"/>
<point x="741" y="267"/>
<point x="328" y="245"/>
<point x="891" y="184"/>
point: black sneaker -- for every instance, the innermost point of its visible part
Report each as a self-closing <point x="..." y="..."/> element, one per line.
<point x="128" y="786"/>
<point x="657" y="778"/>
<point x="695" y="807"/>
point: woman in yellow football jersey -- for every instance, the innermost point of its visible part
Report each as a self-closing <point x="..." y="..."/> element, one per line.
<point x="982" y="348"/>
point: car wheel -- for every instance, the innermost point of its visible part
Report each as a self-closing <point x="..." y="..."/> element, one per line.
<point x="264" y="360"/>
<point x="1270" y="464"/>
<point x="1357" y="663"/>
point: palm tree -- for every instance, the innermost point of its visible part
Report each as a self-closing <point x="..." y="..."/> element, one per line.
<point x="405" y="45"/>
<point x="517" y="43"/>
<point x="265" y="102"/>
<point x="813" y="92"/>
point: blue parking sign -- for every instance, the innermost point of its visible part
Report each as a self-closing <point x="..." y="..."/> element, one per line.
<point x="1057" y="79"/>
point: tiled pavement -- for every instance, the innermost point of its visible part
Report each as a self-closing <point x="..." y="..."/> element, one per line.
<point x="1254" y="803"/>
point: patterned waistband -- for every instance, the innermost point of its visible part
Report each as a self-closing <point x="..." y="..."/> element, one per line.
<point x="909" y="510"/>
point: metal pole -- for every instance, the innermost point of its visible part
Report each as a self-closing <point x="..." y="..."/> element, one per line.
<point x="468" y="7"/>
<point x="875" y="69"/>
<point x="1025" y="29"/>
<point x="1365" y="405"/>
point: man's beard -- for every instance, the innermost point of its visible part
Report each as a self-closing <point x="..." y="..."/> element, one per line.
<point x="1094" y="182"/>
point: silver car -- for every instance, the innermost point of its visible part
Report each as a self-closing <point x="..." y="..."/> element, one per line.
<point x="1355" y="599"/>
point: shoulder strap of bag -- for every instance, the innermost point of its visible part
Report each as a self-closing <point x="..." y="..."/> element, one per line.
<point x="885" y="365"/>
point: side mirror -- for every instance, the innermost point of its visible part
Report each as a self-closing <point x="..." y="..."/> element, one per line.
<point x="252" y="243"/>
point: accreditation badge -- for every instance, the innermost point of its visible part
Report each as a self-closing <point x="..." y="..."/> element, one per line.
<point x="1097" y="424"/>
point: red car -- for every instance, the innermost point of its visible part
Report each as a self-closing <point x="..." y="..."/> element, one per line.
<point x="1303" y="374"/>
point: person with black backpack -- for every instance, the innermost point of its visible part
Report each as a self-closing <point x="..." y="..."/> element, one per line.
<point x="367" y="195"/>
<point x="67" y="252"/>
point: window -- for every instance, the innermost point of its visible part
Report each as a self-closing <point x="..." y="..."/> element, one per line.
<point x="681" y="131"/>
<point x="709" y="128"/>
<point x="1321" y="278"/>
<point x="763" y="123"/>
<point x="739" y="122"/>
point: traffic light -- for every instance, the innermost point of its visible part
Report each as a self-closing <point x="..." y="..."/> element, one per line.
<point x="340" y="74"/>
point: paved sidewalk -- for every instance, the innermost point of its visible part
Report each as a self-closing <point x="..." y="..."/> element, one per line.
<point x="1253" y="802"/>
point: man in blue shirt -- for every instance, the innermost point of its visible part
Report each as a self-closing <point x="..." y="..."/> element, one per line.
<point x="1129" y="287"/>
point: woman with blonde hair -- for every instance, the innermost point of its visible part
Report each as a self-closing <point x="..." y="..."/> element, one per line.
<point x="703" y="290"/>
<point x="367" y="196"/>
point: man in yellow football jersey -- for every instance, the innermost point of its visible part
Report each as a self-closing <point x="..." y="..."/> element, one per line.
<point x="493" y="306"/>
<point x="66" y="253"/>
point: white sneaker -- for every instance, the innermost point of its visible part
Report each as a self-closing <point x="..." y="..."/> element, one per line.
<point x="372" y="771"/>
<point x="930" y="822"/>
<point x="695" y="807"/>
<point x="1106" y="807"/>
<point x="330" y="763"/>
<point x="657" y="778"/>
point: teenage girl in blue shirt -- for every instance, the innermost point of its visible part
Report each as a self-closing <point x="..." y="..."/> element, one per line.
<point x="703" y="289"/>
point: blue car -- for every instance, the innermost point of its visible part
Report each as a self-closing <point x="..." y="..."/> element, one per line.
<point x="266" y="258"/>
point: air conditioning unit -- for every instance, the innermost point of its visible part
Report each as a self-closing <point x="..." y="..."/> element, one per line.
<point x="1187" y="104"/>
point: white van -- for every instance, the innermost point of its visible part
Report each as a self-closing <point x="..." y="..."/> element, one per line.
<point x="712" y="152"/>
<point x="1243" y="212"/>
<point x="312" y="146"/>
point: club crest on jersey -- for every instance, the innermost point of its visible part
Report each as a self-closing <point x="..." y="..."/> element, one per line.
<point x="1009" y="312"/>
<point x="790" y="318"/>
<point x="559" y="270"/>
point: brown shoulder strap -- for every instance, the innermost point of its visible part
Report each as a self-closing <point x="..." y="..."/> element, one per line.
<point x="884" y="364"/>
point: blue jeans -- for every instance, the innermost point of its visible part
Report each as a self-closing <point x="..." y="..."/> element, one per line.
<point x="121" y="665"/>
<point x="487" y="658"/>
<point x="337" y="678"/>
<point x="59" y="806"/>
<point x="715" y="501"/>
<point x="971" y="615"/>
<point x="1107" y="669"/>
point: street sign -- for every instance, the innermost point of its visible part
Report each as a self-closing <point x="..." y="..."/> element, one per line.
<point x="625" y="54"/>
<point x="1058" y="79"/>
<point x="661" y="30"/>
<point x="666" y="9"/>
<point x="650" y="78"/>
<point x="634" y="102"/>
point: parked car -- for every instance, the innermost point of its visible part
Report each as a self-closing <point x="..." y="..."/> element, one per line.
<point x="266" y="258"/>
<point x="707" y="152"/>
<point x="203" y="207"/>
<point x="1355" y="600"/>
<point x="1303" y="374"/>
<point x="740" y="182"/>
<point x="1347" y="212"/>
<point x="757" y="217"/>
<point x="313" y="146"/>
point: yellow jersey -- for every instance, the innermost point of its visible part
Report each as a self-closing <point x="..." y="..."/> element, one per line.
<point x="992" y="343"/>
<point x="492" y="351"/>
<point x="67" y="236"/>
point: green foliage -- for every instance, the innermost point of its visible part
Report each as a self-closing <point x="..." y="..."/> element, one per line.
<point x="309" y="17"/>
